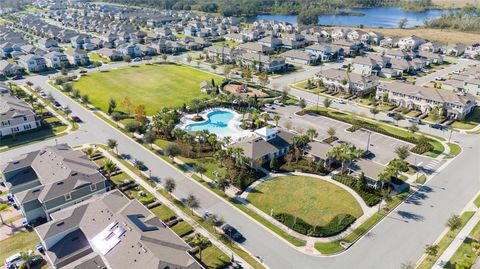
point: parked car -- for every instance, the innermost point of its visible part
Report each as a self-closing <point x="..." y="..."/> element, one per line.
<point x="138" y="59"/>
<point x="10" y="198"/>
<point x="391" y="114"/>
<point x="339" y="101"/>
<point x="267" y="105"/>
<point x="76" y="119"/>
<point x="12" y="261"/>
<point x="232" y="232"/>
<point x="43" y="94"/>
<point x="57" y="104"/>
<point x="39" y="248"/>
<point x="439" y="78"/>
<point x="64" y="107"/>
<point x="14" y="204"/>
<point x="17" y="77"/>
<point x="83" y="71"/>
<point x="438" y="126"/>
<point x="278" y="103"/>
<point x="91" y="66"/>
<point x="25" y="223"/>
<point x="415" y="120"/>
<point x="207" y="214"/>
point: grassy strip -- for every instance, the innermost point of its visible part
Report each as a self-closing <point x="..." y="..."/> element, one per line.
<point x="466" y="254"/>
<point x="18" y="242"/>
<point x="421" y="179"/>
<point x="476" y="202"/>
<point x="455" y="149"/>
<point x="328" y="248"/>
<point x="182" y="228"/>
<point x="393" y="131"/>
<point x="444" y="242"/>
<point x="214" y="258"/>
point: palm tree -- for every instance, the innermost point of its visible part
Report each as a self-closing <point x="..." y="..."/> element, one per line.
<point x="402" y="152"/>
<point x="169" y="185"/>
<point x="112" y="144"/>
<point x="109" y="167"/>
<point x="276" y="118"/>
<point x="201" y="242"/>
<point x="312" y="133"/>
<point x="331" y="132"/>
<point x="327" y="102"/>
<point x="454" y="223"/>
<point x="227" y="140"/>
<point x="345" y="153"/>
<point x="200" y="169"/>
<point x="26" y="257"/>
<point x="192" y="202"/>
<point x="431" y="250"/>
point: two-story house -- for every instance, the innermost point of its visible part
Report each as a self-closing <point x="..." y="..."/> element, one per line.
<point x="15" y="114"/>
<point x="53" y="178"/>
<point x="341" y="80"/>
<point x="57" y="60"/>
<point x="33" y="63"/>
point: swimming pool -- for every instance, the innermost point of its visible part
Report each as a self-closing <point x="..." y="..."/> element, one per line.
<point x="222" y="122"/>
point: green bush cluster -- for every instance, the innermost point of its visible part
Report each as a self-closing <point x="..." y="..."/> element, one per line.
<point x="338" y="224"/>
<point x="422" y="147"/>
<point x="368" y="194"/>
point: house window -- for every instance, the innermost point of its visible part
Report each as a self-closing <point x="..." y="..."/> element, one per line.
<point x="27" y="127"/>
<point x="68" y="197"/>
<point x="24" y="118"/>
<point x="93" y="187"/>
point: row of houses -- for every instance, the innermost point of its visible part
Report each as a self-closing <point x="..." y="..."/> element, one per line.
<point x="16" y="115"/>
<point x="88" y="225"/>
<point x="467" y="81"/>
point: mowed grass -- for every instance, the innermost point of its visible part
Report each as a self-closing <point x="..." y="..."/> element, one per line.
<point x="154" y="86"/>
<point x="18" y="242"/>
<point x="314" y="200"/>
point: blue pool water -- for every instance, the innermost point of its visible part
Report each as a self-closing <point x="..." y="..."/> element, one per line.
<point x="217" y="123"/>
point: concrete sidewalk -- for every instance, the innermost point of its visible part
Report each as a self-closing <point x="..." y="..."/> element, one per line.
<point x="461" y="236"/>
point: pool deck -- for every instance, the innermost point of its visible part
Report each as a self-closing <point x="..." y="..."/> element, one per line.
<point x="233" y="124"/>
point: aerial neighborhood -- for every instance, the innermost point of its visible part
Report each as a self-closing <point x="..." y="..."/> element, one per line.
<point x="190" y="135"/>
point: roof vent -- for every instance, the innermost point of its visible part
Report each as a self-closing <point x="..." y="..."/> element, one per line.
<point x="59" y="183"/>
<point x="60" y="223"/>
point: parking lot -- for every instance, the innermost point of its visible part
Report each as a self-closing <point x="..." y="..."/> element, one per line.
<point x="380" y="145"/>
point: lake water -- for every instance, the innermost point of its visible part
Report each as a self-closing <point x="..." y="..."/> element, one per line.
<point x="386" y="17"/>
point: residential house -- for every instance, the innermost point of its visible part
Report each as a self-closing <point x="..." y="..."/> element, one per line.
<point x="33" y="63"/>
<point x="263" y="62"/>
<point x="398" y="54"/>
<point x="235" y="37"/>
<point x="370" y="64"/>
<point x="431" y="58"/>
<point x="390" y="42"/>
<point x="455" y="49"/>
<point x="131" y="50"/>
<point x="51" y="179"/>
<point x="57" y="60"/>
<point x="472" y="86"/>
<point x="299" y="57"/>
<point x="267" y="143"/>
<point x="321" y="51"/>
<point x="110" y="54"/>
<point x="473" y="51"/>
<point x="340" y="33"/>
<point x="112" y="231"/>
<point x="8" y="69"/>
<point x="80" y="41"/>
<point x="368" y="168"/>
<point x="410" y="42"/>
<point x="293" y="41"/>
<point x="271" y="42"/>
<point x="46" y="43"/>
<point x="433" y="46"/>
<point x="456" y="105"/>
<point x="221" y="53"/>
<point x="78" y="57"/>
<point x="375" y="38"/>
<point x="254" y="47"/>
<point x="16" y="115"/>
<point x="341" y="80"/>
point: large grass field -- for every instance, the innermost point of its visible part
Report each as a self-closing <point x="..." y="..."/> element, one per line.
<point x="314" y="200"/>
<point x="154" y="86"/>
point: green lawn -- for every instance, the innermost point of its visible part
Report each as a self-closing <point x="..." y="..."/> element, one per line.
<point x="455" y="149"/>
<point x="477" y="201"/>
<point x="229" y="43"/>
<point x="182" y="228"/>
<point x="445" y="242"/>
<point x="162" y="212"/>
<point x="465" y="254"/>
<point x="314" y="200"/>
<point x="214" y="258"/>
<point x="328" y="248"/>
<point x="470" y="122"/>
<point x="18" y="242"/>
<point x="154" y="86"/>
<point x="95" y="57"/>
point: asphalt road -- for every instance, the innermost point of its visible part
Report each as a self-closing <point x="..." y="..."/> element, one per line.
<point x="399" y="238"/>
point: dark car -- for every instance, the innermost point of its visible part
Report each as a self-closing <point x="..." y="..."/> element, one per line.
<point x="391" y="114"/>
<point x="17" y="77"/>
<point x="83" y="71"/>
<point x="39" y="248"/>
<point x="232" y="233"/>
<point x="438" y="126"/>
<point x="76" y="119"/>
<point x="10" y="198"/>
<point x="57" y="104"/>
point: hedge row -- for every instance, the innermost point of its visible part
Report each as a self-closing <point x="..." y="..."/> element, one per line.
<point x="369" y="194"/>
<point x="338" y="224"/>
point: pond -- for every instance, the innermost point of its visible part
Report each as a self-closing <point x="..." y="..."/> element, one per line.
<point x="386" y="17"/>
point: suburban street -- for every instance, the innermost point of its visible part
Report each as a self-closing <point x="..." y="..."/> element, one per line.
<point x="398" y="238"/>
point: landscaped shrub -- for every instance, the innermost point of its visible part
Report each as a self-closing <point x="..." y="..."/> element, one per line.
<point x="353" y="128"/>
<point x="369" y="195"/>
<point x="338" y="224"/>
<point x="422" y="147"/>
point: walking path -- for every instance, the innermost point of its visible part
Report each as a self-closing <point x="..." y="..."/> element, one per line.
<point x="461" y="236"/>
<point x="175" y="209"/>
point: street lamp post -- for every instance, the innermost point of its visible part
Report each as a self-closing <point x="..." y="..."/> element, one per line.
<point x="368" y="140"/>
<point x="450" y="136"/>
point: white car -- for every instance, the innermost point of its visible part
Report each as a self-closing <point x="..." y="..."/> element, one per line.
<point x="15" y="260"/>
<point x="278" y="103"/>
<point x="438" y="78"/>
<point x="339" y="101"/>
<point x="268" y="105"/>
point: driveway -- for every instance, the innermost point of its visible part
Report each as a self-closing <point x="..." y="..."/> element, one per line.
<point x="462" y="63"/>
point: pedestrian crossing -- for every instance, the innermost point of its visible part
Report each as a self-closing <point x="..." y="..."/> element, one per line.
<point x="433" y="164"/>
